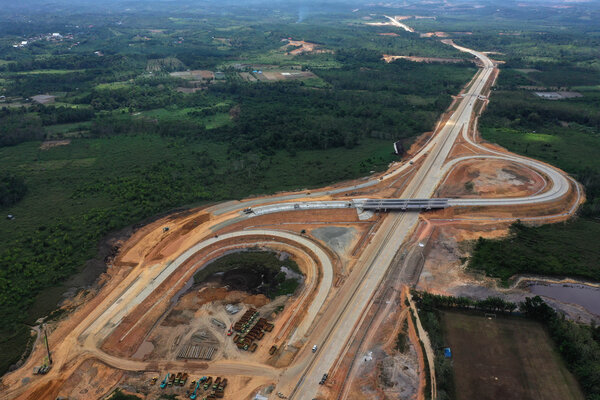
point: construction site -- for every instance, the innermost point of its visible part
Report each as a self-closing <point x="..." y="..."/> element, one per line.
<point x="149" y="330"/>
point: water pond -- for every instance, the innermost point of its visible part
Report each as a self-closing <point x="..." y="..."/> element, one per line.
<point x="587" y="297"/>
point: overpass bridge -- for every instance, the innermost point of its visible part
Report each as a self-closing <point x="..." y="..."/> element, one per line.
<point x="360" y="204"/>
<point x="401" y="204"/>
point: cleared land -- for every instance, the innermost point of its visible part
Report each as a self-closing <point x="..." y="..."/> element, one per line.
<point x="505" y="358"/>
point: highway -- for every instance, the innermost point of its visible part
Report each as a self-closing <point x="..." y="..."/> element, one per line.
<point x="328" y="323"/>
<point x="346" y="311"/>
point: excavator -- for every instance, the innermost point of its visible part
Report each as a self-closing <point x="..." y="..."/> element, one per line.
<point x="193" y="395"/>
<point x="163" y="384"/>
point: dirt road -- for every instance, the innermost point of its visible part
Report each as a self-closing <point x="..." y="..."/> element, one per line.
<point x="330" y="316"/>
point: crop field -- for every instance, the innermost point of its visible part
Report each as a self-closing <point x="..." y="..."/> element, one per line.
<point x="505" y="358"/>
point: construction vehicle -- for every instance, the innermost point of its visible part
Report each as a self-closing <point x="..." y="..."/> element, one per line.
<point x="171" y="380"/>
<point x="183" y="379"/>
<point x="253" y="347"/>
<point x="45" y="367"/>
<point x="272" y="350"/>
<point x="194" y="394"/>
<point x="208" y="383"/>
<point x="223" y="384"/>
<point x="153" y="381"/>
<point x="164" y="382"/>
<point x="217" y="382"/>
<point x="177" y="378"/>
<point x="47" y="348"/>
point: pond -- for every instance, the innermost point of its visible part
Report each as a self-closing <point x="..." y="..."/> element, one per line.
<point x="587" y="297"/>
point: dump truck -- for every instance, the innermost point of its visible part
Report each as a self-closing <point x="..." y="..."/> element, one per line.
<point x="253" y="347"/>
<point x="183" y="379"/>
<point x="177" y="378"/>
<point x="223" y="384"/>
<point x="208" y="383"/>
<point x="171" y="380"/>
<point x="272" y="350"/>
<point x="217" y="382"/>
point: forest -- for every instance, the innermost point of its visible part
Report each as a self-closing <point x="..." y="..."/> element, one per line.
<point x="565" y="133"/>
<point x="130" y="145"/>
<point x="135" y="146"/>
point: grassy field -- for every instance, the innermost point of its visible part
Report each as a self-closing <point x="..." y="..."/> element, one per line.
<point x="107" y="159"/>
<point x="571" y="149"/>
<point x="505" y="358"/>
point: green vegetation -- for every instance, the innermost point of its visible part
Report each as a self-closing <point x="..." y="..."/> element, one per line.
<point x="491" y="304"/>
<point x="497" y="346"/>
<point x="12" y="190"/>
<point x="119" y="395"/>
<point x="401" y="339"/>
<point x="431" y="321"/>
<point x="560" y="249"/>
<point x="564" y="133"/>
<point x="508" y="357"/>
<point x="141" y="145"/>
<point x="255" y="271"/>
<point x="431" y="318"/>
<point x="579" y="344"/>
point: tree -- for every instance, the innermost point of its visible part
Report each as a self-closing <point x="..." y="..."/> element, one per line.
<point x="12" y="190"/>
